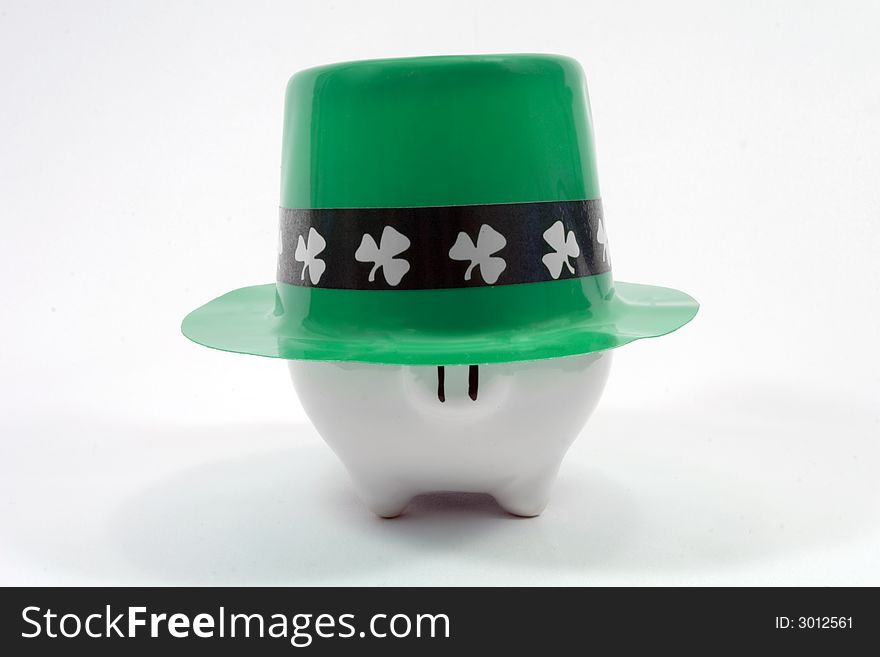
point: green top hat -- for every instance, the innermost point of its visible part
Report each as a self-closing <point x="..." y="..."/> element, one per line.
<point x="439" y="211"/>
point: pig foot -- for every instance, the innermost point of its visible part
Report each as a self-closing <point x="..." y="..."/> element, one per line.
<point x="386" y="501"/>
<point x="526" y="497"/>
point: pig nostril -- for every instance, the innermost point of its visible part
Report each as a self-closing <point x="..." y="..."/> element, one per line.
<point x="473" y="381"/>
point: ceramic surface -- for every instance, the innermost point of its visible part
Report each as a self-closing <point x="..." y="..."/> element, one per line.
<point x="397" y="438"/>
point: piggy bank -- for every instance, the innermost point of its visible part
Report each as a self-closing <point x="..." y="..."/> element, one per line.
<point x="444" y="297"/>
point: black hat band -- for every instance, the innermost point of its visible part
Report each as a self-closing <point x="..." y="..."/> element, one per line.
<point x="442" y="247"/>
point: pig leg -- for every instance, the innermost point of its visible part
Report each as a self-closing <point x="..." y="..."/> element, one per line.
<point x="526" y="496"/>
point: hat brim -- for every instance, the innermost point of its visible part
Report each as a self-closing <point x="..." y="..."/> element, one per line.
<point x="246" y="321"/>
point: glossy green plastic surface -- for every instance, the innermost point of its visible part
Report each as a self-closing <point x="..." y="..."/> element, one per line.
<point x="430" y="131"/>
<point x="347" y="326"/>
<point x="436" y="131"/>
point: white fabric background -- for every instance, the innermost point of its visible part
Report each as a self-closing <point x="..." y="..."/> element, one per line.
<point x="739" y="154"/>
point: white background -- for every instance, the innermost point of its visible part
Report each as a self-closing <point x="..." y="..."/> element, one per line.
<point x="739" y="154"/>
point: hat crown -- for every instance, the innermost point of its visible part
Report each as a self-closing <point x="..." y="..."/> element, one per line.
<point x="434" y="131"/>
<point x="439" y="211"/>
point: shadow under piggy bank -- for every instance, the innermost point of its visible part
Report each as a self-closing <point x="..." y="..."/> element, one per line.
<point x="691" y="495"/>
<point x="291" y="517"/>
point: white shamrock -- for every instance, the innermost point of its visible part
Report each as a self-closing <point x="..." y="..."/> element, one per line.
<point x="391" y="243"/>
<point x="306" y="252"/>
<point x="564" y="247"/>
<point x="489" y="241"/>
<point x="602" y="238"/>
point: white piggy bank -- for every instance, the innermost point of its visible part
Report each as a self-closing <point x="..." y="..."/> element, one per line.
<point x="501" y="429"/>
